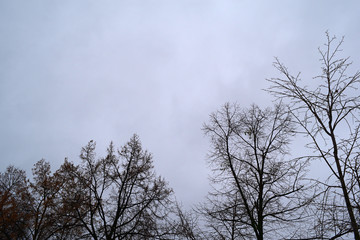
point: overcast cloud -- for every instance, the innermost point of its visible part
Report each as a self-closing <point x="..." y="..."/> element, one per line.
<point x="72" y="71"/>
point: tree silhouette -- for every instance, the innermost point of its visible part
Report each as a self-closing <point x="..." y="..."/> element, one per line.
<point x="118" y="196"/>
<point x="257" y="189"/>
<point x="327" y="109"/>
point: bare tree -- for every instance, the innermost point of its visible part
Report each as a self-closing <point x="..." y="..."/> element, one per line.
<point x="118" y="196"/>
<point x="327" y="109"/>
<point x="257" y="190"/>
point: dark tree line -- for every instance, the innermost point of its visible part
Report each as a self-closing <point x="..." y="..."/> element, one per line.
<point x="259" y="190"/>
<point x="118" y="196"/>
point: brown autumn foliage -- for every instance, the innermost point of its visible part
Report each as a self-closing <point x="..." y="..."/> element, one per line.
<point x="14" y="204"/>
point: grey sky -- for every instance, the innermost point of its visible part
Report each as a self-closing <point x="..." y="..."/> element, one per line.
<point x="72" y="71"/>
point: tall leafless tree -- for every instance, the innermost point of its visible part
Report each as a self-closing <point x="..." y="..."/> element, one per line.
<point x="258" y="189"/>
<point x="118" y="196"/>
<point x="327" y="108"/>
